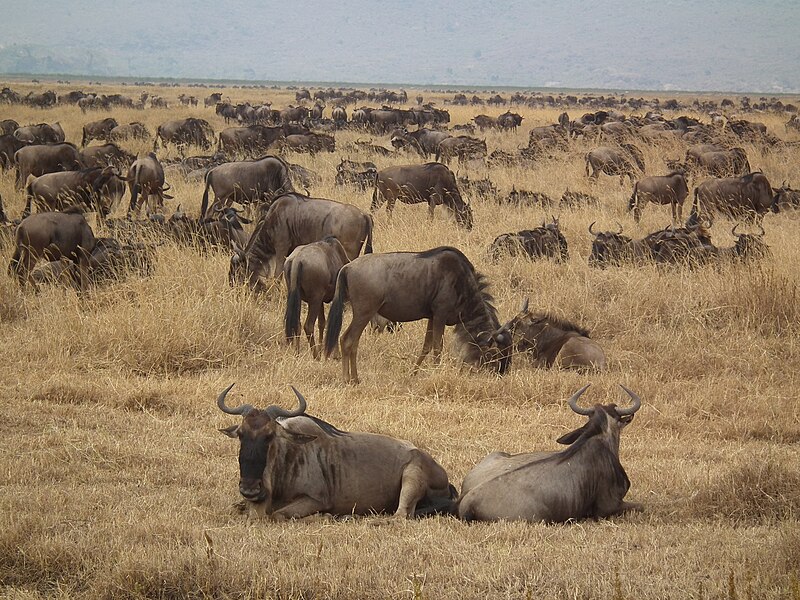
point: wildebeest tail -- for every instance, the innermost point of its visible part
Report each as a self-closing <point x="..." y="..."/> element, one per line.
<point x="370" y="226"/>
<point x="134" y="189"/>
<point x="155" y="141"/>
<point x="376" y="202"/>
<point x="694" y="215"/>
<point x="632" y="201"/>
<point x="336" y="314"/>
<point x="13" y="266"/>
<point x="439" y="505"/>
<point x="28" y="196"/>
<point x="291" y="320"/>
<point x="204" y="203"/>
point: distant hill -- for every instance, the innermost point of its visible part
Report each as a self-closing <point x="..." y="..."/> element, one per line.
<point x="716" y="45"/>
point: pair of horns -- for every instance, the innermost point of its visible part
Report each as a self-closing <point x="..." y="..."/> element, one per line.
<point x="591" y="228"/>
<point x="272" y="411"/>
<point x="573" y="402"/>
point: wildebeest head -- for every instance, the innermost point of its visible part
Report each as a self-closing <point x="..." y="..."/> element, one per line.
<point x="608" y="247"/>
<point x="496" y="349"/>
<point x="605" y="420"/>
<point x="750" y="245"/>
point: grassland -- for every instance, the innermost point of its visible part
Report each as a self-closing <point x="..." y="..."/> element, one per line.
<point x="114" y="482"/>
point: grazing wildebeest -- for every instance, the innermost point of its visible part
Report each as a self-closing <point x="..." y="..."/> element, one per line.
<point x="463" y="147"/>
<point x="247" y="181"/>
<point x="185" y="132"/>
<point x="52" y="235"/>
<point x="440" y="285"/>
<point x="749" y="197"/>
<point x="40" y="159"/>
<point x="135" y="130"/>
<point x="485" y="122"/>
<point x="107" y="155"/>
<point x="292" y="465"/>
<point x="146" y="176"/>
<point x="554" y="342"/>
<point x="310" y="272"/>
<point x="716" y="161"/>
<point x="54" y="191"/>
<point x="8" y="148"/>
<point x="41" y="133"/>
<point x="509" y="121"/>
<point x="294" y="220"/>
<point x="309" y="142"/>
<point x="626" y="160"/>
<point x="98" y="130"/>
<point x="424" y="141"/>
<point x="252" y="139"/>
<point x="433" y="183"/>
<point x="584" y="481"/>
<point x="546" y="241"/>
<point x="669" y="189"/>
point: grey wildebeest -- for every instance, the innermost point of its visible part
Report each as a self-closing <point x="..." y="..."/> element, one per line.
<point x="52" y="235"/>
<point x="310" y="272"/>
<point x="669" y="189"/>
<point x="40" y="159"/>
<point x="294" y="220"/>
<point x="584" y="481"/>
<point x="541" y="242"/>
<point x="185" y="132"/>
<point x="54" y="191"/>
<point x="462" y="147"/>
<point x="8" y="148"/>
<point x="292" y="465"/>
<point x="254" y="139"/>
<point x="146" y="177"/>
<point x="98" y="130"/>
<point x="625" y="160"/>
<point x="440" y="285"/>
<point x="554" y="342"/>
<point x="749" y="197"/>
<point x="107" y="155"/>
<point x="134" y="130"/>
<point x="424" y="141"/>
<point x="247" y="181"/>
<point x="41" y="133"/>
<point x="717" y="161"/>
<point x="433" y="183"/>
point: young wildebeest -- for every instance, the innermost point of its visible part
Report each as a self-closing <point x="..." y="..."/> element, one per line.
<point x="292" y="465"/>
<point x="310" y="272"/>
<point x="545" y="241"/>
<point x="584" y="481"/>
<point x="626" y="160"/>
<point x="440" y="285"/>
<point x="660" y="189"/>
<point x="432" y="182"/>
<point x="294" y="220"/>
<point x="52" y="235"/>
<point x="554" y="342"/>
<point x="146" y="175"/>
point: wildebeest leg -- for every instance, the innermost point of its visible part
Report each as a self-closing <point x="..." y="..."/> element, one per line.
<point x="426" y="346"/>
<point x="412" y="489"/>
<point x="83" y="267"/>
<point x="431" y="206"/>
<point x="321" y="324"/>
<point x="349" y="344"/>
<point x="438" y="339"/>
<point x="302" y="507"/>
<point x="314" y="308"/>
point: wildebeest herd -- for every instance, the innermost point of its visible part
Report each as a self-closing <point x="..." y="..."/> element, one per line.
<point x="291" y="463"/>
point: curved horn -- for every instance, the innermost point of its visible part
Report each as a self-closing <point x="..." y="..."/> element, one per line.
<point x="590" y="228"/>
<point x="637" y="403"/>
<point x="620" y="227"/>
<point x="277" y="411"/>
<point x="524" y="307"/>
<point x="573" y="402"/>
<point x="243" y="410"/>
<point x="733" y="231"/>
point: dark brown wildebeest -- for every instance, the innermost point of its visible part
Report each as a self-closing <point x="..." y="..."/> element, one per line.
<point x="212" y="99"/>
<point x="546" y="241"/>
<point x="8" y="126"/>
<point x="107" y="155"/>
<point x="440" y="285"/>
<point x="785" y="197"/>
<point x="718" y="162"/>
<point x="52" y="235"/>
<point x="55" y="191"/>
<point x="690" y="245"/>
<point x="294" y="114"/>
<point x="185" y="132"/>
<point x="613" y="248"/>
<point x="254" y="139"/>
<point x="146" y="176"/>
<point x="433" y="183"/>
<point x="40" y="159"/>
<point x="554" y="342"/>
<point x="309" y="142"/>
<point x="748" y="246"/>
<point x="584" y="481"/>
<point x="573" y="199"/>
<point x="625" y="160"/>
<point x="424" y="141"/>
<point x="306" y="178"/>
<point x="748" y="197"/>
<point x="292" y="465"/>
<point x="339" y="115"/>
<point x="8" y="148"/>
<point x="462" y="147"/>
<point x="135" y="130"/>
<point x="98" y="130"/>
<point x="310" y="272"/>
<point x="669" y="189"/>
<point x="526" y="198"/>
<point x="247" y="181"/>
<point x="42" y="100"/>
<point x="294" y="220"/>
<point x="221" y="229"/>
<point x="509" y="121"/>
<point x="41" y="133"/>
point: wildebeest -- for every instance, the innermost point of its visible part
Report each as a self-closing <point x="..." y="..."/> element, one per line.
<point x="748" y="246"/>
<point x="785" y="198"/>
<point x="8" y="147"/>
<point x="107" y="155"/>
<point x="339" y="115"/>
<point x="546" y="241"/>
<point x="98" y="130"/>
<point x="509" y="121"/>
<point x="526" y="198"/>
<point x="41" y="133"/>
<point x="40" y="159"/>
<point x="252" y="139"/>
<point x="54" y="191"/>
<point x="358" y="174"/>
<point x="554" y="342"/>
<point x="212" y="99"/>
<point x="717" y="161"/>
<point x="626" y="160"/>
<point x="310" y="272"/>
<point x="687" y="245"/>
<point x="463" y="147"/>
<point x="440" y="285"/>
<point x="8" y="126"/>
<point x="52" y="235"/>
<point x="424" y="141"/>
<point x="247" y="181"/>
<point x="433" y="183"/>
<point x="185" y="132"/>
<point x="309" y="142"/>
<point x="135" y="130"/>
<point x="660" y="189"/>
<point x="146" y="177"/>
<point x="584" y="481"/>
<point x="292" y="465"/>
<point x="749" y="197"/>
<point x="294" y="220"/>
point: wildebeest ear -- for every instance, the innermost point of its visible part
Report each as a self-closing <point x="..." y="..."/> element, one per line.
<point x="297" y="438"/>
<point x="572" y="436"/>
<point x="231" y="432"/>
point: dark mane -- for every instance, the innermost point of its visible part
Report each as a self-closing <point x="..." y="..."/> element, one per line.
<point x="560" y="323"/>
<point x="479" y="316"/>
<point x="74" y="209"/>
<point x="442" y="249"/>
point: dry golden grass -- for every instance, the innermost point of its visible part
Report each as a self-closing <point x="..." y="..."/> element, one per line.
<point x="116" y="484"/>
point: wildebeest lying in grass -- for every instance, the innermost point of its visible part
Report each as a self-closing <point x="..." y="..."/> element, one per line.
<point x="554" y="342"/>
<point x="440" y="285"/>
<point x="546" y="241"/>
<point x="582" y="482"/>
<point x="686" y="245"/>
<point x="292" y="465"/>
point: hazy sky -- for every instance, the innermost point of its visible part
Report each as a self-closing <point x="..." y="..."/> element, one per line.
<point x="727" y="45"/>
